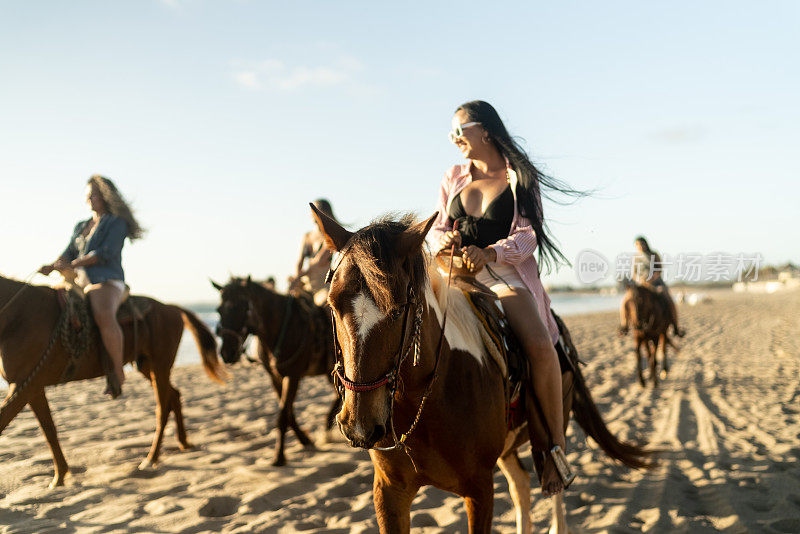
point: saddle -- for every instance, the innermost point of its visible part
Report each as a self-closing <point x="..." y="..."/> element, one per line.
<point x="73" y="302"/>
<point x="502" y="344"/>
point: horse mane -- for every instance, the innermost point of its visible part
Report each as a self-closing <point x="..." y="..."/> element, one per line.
<point x="373" y="250"/>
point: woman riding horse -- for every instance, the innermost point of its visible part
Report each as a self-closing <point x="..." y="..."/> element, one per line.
<point x="315" y="260"/>
<point x="95" y="252"/>
<point x="496" y="200"/>
<point x="646" y="269"/>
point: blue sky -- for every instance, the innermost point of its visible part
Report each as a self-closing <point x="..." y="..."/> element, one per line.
<point x="221" y="120"/>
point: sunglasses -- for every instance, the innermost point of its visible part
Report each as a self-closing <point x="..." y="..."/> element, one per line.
<point x="458" y="131"/>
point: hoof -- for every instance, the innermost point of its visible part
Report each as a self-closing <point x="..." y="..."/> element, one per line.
<point x="280" y="461"/>
<point x="309" y="446"/>
<point x="186" y="446"/>
<point x="147" y="465"/>
<point x="56" y="482"/>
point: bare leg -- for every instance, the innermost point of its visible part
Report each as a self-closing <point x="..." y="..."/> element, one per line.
<point x="38" y="404"/>
<point x="105" y="301"/>
<point x="523" y="315"/>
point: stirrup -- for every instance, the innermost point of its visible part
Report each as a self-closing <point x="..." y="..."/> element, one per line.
<point x="562" y="466"/>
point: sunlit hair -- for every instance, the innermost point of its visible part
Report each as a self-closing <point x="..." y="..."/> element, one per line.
<point x="645" y="245"/>
<point x="116" y="204"/>
<point x="532" y="182"/>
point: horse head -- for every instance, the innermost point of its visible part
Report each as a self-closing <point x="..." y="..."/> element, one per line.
<point x="644" y="301"/>
<point x="235" y="317"/>
<point x="376" y="289"/>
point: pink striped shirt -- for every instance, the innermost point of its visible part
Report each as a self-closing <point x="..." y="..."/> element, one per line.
<point x="516" y="249"/>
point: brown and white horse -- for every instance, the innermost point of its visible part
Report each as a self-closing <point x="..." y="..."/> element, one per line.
<point x="33" y="356"/>
<point x="427" y="401"/>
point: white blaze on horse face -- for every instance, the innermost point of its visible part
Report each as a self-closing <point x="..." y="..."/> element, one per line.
<point x="365" y="314"/>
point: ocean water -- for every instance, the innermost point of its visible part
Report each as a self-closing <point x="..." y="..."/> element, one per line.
<point x="565" y="304"/>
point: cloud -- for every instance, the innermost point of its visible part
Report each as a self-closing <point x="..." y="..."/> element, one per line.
<point x="275" y="74"/>
<point x="679" y="134"/>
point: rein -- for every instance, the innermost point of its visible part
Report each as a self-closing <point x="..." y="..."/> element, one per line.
<point x="390" y="379"/>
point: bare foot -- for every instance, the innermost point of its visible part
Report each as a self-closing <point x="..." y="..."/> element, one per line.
<point x="551" y="479"/>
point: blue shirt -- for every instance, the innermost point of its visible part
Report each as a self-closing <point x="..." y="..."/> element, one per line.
<point x="105" y="243"/>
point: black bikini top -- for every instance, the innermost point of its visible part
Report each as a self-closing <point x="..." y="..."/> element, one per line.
<point x="489" y="228"/>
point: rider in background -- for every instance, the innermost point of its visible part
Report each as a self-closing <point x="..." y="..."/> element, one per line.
<point x="95" y="253"/>
<point x="646" y="269"/>
<point x="315" y="259"/>
<point x="496" y="199"/>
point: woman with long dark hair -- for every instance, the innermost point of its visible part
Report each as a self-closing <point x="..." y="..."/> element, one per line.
<point x="95" y="253"/>
<point x="496" y="198"/>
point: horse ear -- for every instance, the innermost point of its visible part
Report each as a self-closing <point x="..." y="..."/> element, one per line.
<point x="336" y="237"/>
<point x="216" y="285"/>
<point x="412" y="239"/>
<point x="249" y="280"/>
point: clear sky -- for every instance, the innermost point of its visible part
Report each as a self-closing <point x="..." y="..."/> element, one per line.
<point x="220" y="121"/>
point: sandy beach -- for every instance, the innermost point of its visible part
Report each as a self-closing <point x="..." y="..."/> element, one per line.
<point x="726" y="419"/>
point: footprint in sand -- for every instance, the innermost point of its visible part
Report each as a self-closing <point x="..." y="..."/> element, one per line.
<point x="219" y="507"/>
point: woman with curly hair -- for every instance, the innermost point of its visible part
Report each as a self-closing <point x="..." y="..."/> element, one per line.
<point x="94" y="252"/>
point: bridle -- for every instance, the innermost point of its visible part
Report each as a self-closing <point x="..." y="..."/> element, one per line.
<point x="391" y="378"/>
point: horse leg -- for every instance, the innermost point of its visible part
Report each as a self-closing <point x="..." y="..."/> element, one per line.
<point x="519" y="484"/>
<point x="175" y="407"/>
<point x="392" y="504"/>
<point x="38" y="404"/>
<point x="162" y="389"/>
<point x="640" y="362"/>
<point x="662" y="343"/>
<point x="480" y="501"/>
<point x="275" y="378"/>
<point x="288" y="393"/>
<point x="559" y="525"/>
<point x="651" y="357"/>
<point x="14" y="402"/>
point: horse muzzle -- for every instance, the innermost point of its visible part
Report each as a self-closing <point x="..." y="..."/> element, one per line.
<point x="360" y="434"/>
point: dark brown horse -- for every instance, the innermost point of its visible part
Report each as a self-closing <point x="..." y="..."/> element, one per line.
<point x="294" y="337"/>
<point x="33" y="355"/>
<point x="438" y="415"/>
<point x="651" y="317"/>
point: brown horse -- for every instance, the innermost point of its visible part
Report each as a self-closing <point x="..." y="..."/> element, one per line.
<point x="651" y="317"/>
<point x="449" y="400"/>
<point x="33" y="355"/>
<point x="294" y="339"/>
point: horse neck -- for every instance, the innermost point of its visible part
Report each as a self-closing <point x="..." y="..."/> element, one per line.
<point x="268" y="304"/>
<point x="8" y="288"/>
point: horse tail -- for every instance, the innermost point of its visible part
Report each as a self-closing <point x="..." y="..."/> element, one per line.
<point x="207" y="344"/>
<point x="588" y="416"/>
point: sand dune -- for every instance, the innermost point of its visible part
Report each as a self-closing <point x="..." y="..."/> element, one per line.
<point x="726" y="419"/>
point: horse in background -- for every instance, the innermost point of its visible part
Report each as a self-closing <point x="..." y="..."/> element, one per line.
<point x="294" y="340"/>
<point x="651" y="318"/>
<point x="35" y="328"/>
<point x="440" y="417"/>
